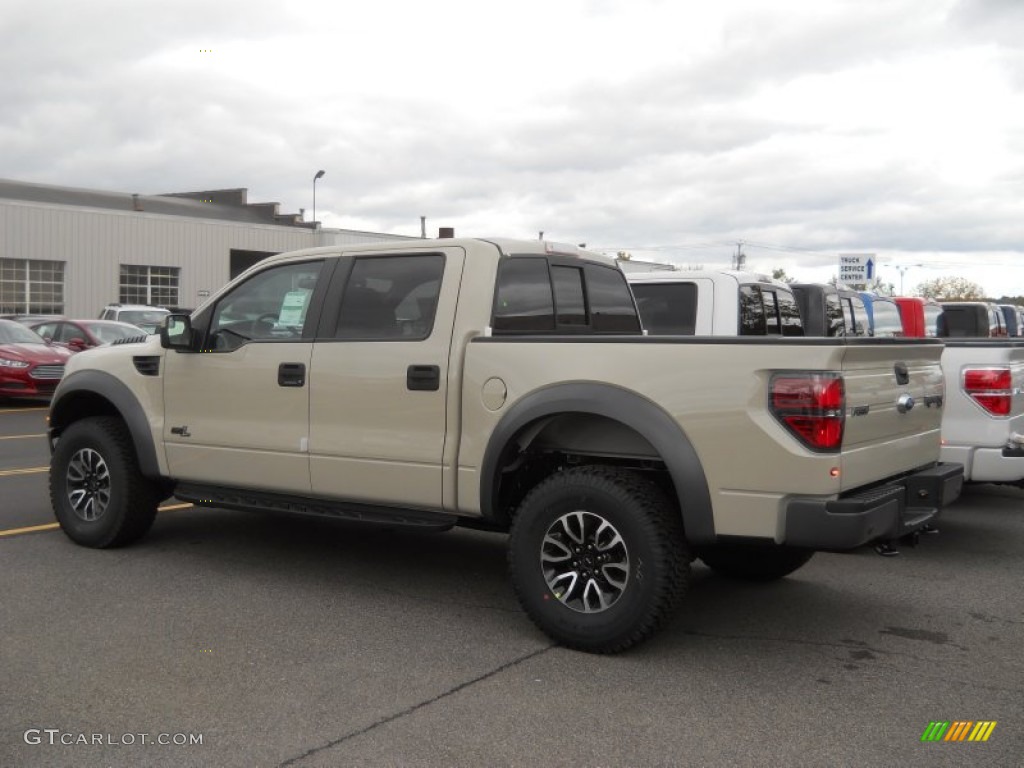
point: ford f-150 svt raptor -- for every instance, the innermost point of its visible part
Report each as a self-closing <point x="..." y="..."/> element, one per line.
<point x="506" y="384"/>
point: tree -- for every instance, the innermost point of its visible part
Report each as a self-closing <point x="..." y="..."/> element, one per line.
<point x="950" y="289"/>
<point x="780" y="274"/>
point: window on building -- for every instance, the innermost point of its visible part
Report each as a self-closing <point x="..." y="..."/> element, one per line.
<point x="157" y="286"/>
<point x="31" y="287"/>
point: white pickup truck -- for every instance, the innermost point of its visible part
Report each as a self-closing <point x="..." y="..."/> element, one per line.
<point x="983" y="421"/>
<point x="715" y="303"/>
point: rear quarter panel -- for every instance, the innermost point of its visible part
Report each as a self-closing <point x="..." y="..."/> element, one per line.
<point x="716" y="389"/>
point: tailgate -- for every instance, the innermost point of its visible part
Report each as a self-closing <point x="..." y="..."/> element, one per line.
<point x="894" y="406"/>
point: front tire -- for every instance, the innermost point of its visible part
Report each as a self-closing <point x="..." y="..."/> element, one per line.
<point x="755" y="563"/>
<point x="597" y="558"/>
<point x="98" y="493"/>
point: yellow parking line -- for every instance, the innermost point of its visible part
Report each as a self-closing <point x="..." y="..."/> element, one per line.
<point x="172" y="507"/>
<point x="21" y="437"/>
<point x="24" y="410"/>
<point x="25" y="471"/>
<point x="30" y="529"/>
<point x="55" y="526"/>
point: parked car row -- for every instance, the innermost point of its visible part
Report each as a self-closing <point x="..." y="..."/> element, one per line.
<point x="34" y="349"/>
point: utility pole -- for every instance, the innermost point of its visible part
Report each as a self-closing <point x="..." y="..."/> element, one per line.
<point x="740" y="259"/>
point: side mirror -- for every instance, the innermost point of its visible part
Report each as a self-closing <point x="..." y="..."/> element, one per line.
<point x="77" y="343"/>
<point x="176" y="333"/>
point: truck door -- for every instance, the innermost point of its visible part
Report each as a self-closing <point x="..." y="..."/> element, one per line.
<point x="237" y="413"/>
<point x="379" y="377"/>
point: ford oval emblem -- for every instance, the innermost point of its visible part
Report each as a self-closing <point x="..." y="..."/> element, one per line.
<point x="905" y="403"/>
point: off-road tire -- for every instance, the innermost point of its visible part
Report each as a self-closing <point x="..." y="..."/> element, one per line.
<point x="95" y="460"/>
<point x="654" y="565"/>
<point x="754" y="563"/>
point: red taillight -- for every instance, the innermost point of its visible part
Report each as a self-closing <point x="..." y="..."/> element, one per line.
<point x="811" y="406"/>
<point x="991" y="388"/>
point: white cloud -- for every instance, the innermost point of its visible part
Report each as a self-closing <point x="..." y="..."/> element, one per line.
<point x="889" y="126"/>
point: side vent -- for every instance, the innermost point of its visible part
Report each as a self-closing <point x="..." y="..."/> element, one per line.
<point x="147" y="365"/>
<point x="130" y="340"/>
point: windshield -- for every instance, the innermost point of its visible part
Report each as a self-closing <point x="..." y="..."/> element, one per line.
<point x="149" y="319"/>
<point x="15" y="333"/>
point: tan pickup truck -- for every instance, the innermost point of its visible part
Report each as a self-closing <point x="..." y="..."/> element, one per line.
<point x="507" y="385"/>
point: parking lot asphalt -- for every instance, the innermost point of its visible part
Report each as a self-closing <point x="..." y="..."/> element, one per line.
<point x="290" y="641"/>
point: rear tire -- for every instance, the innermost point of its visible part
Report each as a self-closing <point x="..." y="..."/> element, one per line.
<point x="597" y="558"/>
<point x="98" y="493"/>
<point x="754" y="563"/>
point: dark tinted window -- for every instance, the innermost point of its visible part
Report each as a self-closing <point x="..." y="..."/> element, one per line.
<point x="752" y="322"/>
<point x="569" y="306"/>
<point x="667" y="308"/>
<point x="611" y="303"/>
<point x="391" y="297"/>
<point x="523" y="297"/>
<point x="789" y="314"/>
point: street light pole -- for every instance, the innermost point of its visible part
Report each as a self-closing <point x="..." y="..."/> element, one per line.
<point x="319" y="174"/>
<point x="903" y="271"/>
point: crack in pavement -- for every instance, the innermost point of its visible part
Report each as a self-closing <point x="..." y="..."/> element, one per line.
<point x="415" y="707"/>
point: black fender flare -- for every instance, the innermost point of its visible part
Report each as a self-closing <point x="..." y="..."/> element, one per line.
<point x="121" y="398"/>
<point x="621" y="405"/>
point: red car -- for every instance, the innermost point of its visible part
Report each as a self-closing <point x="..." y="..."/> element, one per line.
<point x="85" y="334"/>
<point x="29" y="367"/>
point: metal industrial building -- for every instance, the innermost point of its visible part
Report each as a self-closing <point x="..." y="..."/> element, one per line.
<point x="71" y="251"/>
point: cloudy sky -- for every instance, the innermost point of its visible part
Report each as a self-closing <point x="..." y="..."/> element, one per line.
<point x="672" y="129"/>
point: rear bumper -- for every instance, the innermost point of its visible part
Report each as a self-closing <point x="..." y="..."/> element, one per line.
<point x="987" y="465"/>
<point x="882" y="513"/>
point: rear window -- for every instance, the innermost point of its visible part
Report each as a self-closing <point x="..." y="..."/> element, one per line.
<point x="768" y="310"/>
<point x="533" y="296"/>
<point x="965" y="321"/>
<point x="523" y="301"/>
<point x="611" y="303"/>
<point x="886" y="318"/>
<point x="667" y="308"/>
